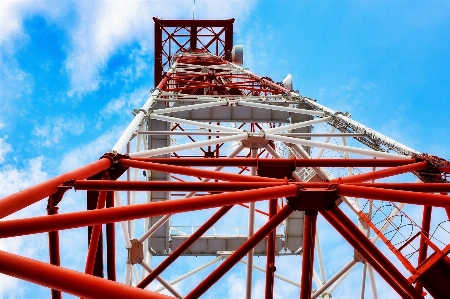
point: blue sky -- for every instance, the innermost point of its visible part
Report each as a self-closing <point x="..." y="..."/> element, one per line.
<point x="72" y="71"/>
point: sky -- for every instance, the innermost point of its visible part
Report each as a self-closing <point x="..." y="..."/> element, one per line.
<point x="71" y="72"/>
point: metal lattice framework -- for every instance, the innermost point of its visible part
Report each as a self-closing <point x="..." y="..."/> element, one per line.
<point x="237" y="166"/>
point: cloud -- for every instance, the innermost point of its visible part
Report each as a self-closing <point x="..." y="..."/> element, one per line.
<point x="122" y="106"/>
<point x="89" y="152"/>
<point x="56" y="129"/>
<point x="4" y="148"/>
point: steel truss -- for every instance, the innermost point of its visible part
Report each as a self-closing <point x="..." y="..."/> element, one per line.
<point x="218" y="144"/>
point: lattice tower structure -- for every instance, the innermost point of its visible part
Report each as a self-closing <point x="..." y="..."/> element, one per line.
<point x="235" y="169"/>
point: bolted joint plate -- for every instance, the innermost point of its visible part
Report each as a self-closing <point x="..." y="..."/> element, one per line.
<point x="314" y="199"/>
<point x="255" y="142"/>
<point x="136" y="252"/>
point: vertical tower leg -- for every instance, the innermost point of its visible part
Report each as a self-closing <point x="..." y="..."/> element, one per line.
<point x="308" y="254"/>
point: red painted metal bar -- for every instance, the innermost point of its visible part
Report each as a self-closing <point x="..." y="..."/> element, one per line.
<point x="233" y="259"/>
<point x="379" y="174"/>
<point x="270" y="263"/>
<point x="17" y="227"/>
<point x="308" y="254"/>
<point x="69" y="281"/>
<point x="91" y="185"/>
<point x="110" y="241"/>
<point x="426" y="222"/>
<point x="418" y="198"/>
<point x="172" y="186"/>
<point x="425" y="187"/>
<point x="53" y="245"/>
<point x="183" y="247"/>
<point x="93" y="242"/>
<point x="370" y="253"/>
<point x="24" y="198"/>
<point x="194" y="172"/>
<point x="326" y="162"/>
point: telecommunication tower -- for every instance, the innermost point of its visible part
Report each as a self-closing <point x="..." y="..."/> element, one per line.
<point x="225" y="165"/>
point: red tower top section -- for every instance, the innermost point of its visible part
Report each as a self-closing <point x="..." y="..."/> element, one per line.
<point x="174" y="36"/>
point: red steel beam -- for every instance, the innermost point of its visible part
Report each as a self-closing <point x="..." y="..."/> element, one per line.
<point x="170" y="186"/>
<point x="98" y="185"/>
<point x="379" y="174"/>
<point x="270" y="263"/>
<point x="326" y="162"/>
<point x="24" y="198"/>
<point x="308" y="254"/>
<point x="370" y="252"/>
<point x="53" y="245"/>
<point x="110" y="241"/>
<point x="69" y="281"/>
<point x="426" y="221"/>
<point x="183" y="247"/>
<point x="95" y="236"/>
<point x="217" y="175"/>
<point x="17" y="227"/>
<point x="418" y="198"/>
<point x="233" y="259"/>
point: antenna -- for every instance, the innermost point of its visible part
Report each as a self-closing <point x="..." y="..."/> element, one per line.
<point x="193" y="11"/>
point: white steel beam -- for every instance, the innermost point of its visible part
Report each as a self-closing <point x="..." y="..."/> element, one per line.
<point x="129" y="131"/>
<point x="123" y="224"/>
<point x="161" y="280"/>
<point x="280" y="108"/>
<point x="190" y="273"/>
<point x="189" y="107"/>
<point x="251" y="232"/>
<point x="182" y="147"/>
<point x="298" y="125"/>
<point x="336" y="147"/>
<point x="290" y="281"/>
<point x="341" y="274"/>
<point x="194" y="123"/>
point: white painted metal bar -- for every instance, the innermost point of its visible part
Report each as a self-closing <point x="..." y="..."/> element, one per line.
<point x="135" y="274"/>
<point x="154" y="227"/>
<point x="280" y="108"/>
<point x="333" y="279"/>
<point x="251" y="232"/>
<point x="190" y="273"/>
<point x="123" y="224"/>
<point x="361" y="127"/>
<point x="298" y="125"/>
<point x="340" y="279"/>
<point x="321" y="173"/>
<point x="363" y="282"/>
<point x="194" y="123"/>
<point x="373" y="285"/>
<point x="327" y="140"/>
<point x="189" y="107"/>
<point x="290" y="281"/>
<point x="161" y="280"/>
<point x="316" y="278"/>
<point x="188" y="146"/>
<point x="128" y="273"/>
<point x="129" y="131"/>
<point x="340" y="116"/>
<point x="359" y="151"/>
<point x="132" y="222"/>
<point x="191" y="133"/>
<point x="319" y="256"/>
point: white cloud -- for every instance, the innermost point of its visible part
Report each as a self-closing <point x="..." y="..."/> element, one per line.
<point x="56" y="128"/>
<point x="4" y="148"/>
<point x="123" y="106"/>
<point x="90" y="152"/>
